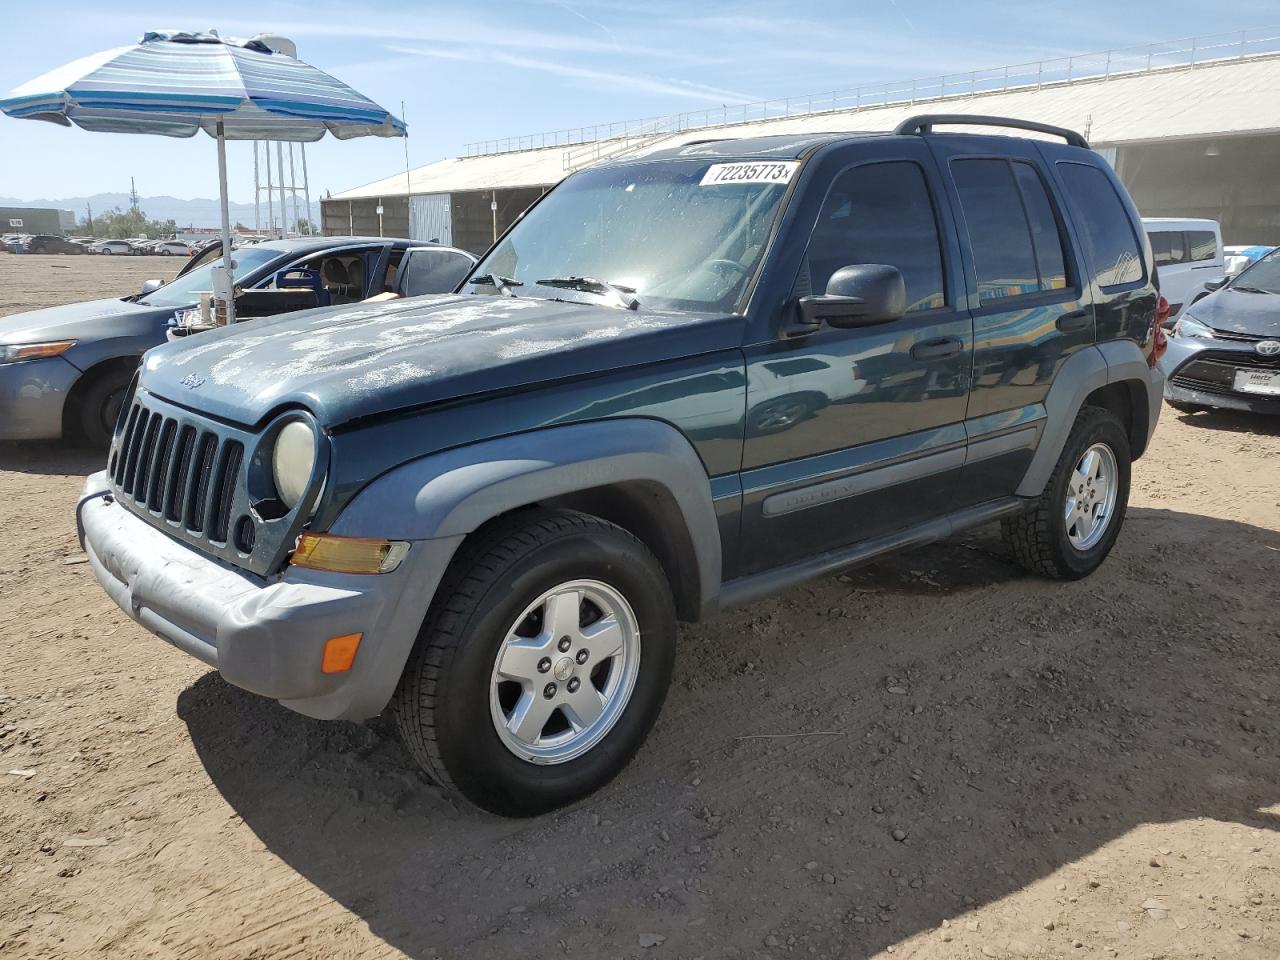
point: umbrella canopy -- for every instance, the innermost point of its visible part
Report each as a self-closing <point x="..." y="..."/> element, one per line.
<point x="175" y="84"/>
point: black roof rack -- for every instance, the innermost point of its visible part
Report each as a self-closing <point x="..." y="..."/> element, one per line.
<point x="925" y="122"/>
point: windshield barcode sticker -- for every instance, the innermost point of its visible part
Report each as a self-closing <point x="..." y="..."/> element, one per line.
<point x="750" y="172"/>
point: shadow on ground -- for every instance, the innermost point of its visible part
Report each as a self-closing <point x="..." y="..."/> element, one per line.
<point x="1232" y="421"/>
<point x="50" y="457"/>
<point x="1042" y="721"/>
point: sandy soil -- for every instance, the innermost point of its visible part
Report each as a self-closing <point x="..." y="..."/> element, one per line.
<point x="937" y="757"/>
<point x="29" y="282"/>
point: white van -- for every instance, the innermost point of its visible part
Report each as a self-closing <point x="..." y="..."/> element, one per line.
<point x="1188" y="255"/>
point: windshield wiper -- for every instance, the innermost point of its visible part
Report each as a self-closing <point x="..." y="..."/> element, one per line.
<point x="624" y="296"/>
<point x="501" y="283"/>
<point x="1248" y="289"/>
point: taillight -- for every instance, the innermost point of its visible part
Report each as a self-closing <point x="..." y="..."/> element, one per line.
<point x="1161" y="343"/>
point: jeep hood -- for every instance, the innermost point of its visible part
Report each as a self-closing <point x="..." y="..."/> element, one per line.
<point x="1257" y="314"/>
<point x="348" y="362"/>
<point x="74" y="321"/>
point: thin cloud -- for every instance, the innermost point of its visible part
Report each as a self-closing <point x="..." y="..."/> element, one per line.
<point x="624" y="81"/>
<point x="450" y="32"/>
<point x="585" y="19"/>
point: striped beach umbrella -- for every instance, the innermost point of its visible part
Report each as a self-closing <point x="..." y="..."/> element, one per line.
<point x="175" y="84"/>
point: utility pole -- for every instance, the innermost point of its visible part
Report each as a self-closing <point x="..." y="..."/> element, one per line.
<point x="88" y="209"/>
<point x="133" y="196"/>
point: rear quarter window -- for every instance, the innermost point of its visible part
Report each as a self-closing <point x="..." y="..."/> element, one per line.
<point x="1111" y="245"/>
<point x="1202" y="244"/>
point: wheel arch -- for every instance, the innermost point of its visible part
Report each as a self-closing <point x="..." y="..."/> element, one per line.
<point x="88" y="377"/>
<point x="640" y="474"/>
<point x="1114" y="375"/>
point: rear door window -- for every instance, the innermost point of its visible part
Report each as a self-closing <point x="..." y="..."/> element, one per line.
<point x="1013" y="233"/>
<point x="1109" y="238"/>
<point x="426" y="271"/>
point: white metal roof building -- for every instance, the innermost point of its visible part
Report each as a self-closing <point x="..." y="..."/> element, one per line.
<point x="1192" y="126"/>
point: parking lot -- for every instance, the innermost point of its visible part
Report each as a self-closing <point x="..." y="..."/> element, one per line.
<point x="938" y="756"/>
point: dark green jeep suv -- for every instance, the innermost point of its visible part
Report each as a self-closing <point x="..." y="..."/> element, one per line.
<point x="677" y="383"/>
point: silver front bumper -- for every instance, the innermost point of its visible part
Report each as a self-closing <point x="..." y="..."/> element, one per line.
<point x="265" y="635"/>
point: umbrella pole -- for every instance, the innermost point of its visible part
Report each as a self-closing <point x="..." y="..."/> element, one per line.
<point x="228" y="265"/>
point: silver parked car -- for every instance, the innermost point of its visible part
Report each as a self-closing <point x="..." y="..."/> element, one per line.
<point x="1225" y="349"/>
<point x="65" y="370"/>
<point x="118" y="248"/>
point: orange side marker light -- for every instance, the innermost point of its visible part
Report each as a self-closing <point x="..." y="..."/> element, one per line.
<point x="340" y="653"/>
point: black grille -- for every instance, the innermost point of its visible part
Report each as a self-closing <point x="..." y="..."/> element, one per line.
<point x="1242" y="337"/>
<point x="193" y="476"/>
<point x="180" y="472"/>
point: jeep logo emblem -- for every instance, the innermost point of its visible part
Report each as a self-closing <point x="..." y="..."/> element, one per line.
<point x="191" y="381"/>
<point x="1268" y="348"/>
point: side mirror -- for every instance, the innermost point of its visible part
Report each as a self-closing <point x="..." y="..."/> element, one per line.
<point x="150" y="286"/>
<point x="1218" y="284"/>
<point x="861" y="295"/>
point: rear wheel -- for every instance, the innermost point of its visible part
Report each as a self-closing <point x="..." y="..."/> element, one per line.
<point x="542" y="664"/>
<point x="1070" y="530"/>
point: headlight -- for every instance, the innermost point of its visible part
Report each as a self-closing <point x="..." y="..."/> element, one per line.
<point x="1189" y="326"/>
<point x="292" y="460"/>
<point x="13" y="352"/>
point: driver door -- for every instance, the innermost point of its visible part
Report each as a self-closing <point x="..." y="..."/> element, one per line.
<point x="857" y="433"/>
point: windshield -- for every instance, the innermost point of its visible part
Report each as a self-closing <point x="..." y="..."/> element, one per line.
<point x="186" y="289"/>
<point x="1264" y="275"/>
<point x="681" y="234"/>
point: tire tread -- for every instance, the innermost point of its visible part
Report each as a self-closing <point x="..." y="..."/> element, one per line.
<point x="478" y="564"/>
<point x="1030" y="534"/>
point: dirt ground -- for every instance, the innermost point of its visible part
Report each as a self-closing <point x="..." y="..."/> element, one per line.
<point x="936" y="757"/>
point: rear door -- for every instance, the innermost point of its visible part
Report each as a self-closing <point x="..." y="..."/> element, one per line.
<point x="1111" y="241"/>
<point x="1026" y="295"/>
<point x="426" y="270"/>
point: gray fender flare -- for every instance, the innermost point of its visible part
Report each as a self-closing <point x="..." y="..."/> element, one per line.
<point x="1085" y="371"/>
<point x="448" y="495"/>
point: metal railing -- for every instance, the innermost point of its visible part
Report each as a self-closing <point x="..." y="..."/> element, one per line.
<point x="1184" y="54"/>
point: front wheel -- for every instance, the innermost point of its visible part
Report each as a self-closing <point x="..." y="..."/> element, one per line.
<point x="1069" y="531"/>
<point x="542" y="665"/>
<point x="99" y="407"/>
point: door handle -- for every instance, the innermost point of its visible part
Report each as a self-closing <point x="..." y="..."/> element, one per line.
<point x="938" y="349"/>
<point x="1074" y="321"/>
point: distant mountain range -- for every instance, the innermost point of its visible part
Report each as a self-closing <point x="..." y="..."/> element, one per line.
<point x="185" y="213"/>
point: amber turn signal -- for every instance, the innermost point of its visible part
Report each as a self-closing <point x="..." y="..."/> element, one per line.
<point x="34" y="351"/>
<point x="325" y="551"/>
<point x="340" y="653"/>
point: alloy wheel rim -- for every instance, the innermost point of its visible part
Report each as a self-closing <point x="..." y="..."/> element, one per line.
<point x="1092" y="489"/>
<point x="565" y="672"/>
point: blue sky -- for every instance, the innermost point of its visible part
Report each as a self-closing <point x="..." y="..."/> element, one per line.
<point x="472" y="71"/>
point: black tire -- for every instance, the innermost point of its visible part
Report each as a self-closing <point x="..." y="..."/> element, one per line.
<point x="442" y="705"/>
<point x="98" y="406"/>
<point x="1038" y="536"/>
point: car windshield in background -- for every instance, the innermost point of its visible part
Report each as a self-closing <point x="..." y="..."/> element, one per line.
<point x="1262" y="276"/>
<point x="680" y="234"/>
<point x="186" y="289"/>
